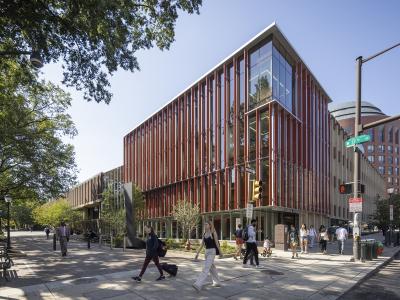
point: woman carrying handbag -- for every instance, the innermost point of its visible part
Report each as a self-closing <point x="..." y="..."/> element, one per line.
<point x="210" y="241"/>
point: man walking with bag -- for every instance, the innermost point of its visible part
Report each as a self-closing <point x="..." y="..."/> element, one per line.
<point x="63" y="234"/>
<point x="251" y="243"/>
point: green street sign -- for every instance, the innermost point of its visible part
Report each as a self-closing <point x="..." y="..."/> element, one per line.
<point x="358" y="140"/>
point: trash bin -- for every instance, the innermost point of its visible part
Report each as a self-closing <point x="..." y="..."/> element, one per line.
<point x="363" y="244"/>
<point x="370" y="244"/>
<point x="375" y="250"/>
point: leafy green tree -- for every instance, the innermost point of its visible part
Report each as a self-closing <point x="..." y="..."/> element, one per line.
<point x="187" y="215"/>
<point x="139" y="204"/>
<point x="113" y="216"/>
<point x="33" y="122"/>
<point x="381" y="217"/>
<point x="93" y="38"/>
<point x="53" y="212"/>
<point x="22" y="212"/>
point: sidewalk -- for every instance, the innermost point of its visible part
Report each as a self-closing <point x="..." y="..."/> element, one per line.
<point x="312" y="276"/>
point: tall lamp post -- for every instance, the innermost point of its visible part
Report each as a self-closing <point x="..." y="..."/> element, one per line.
<point x="8" y="201"/>
<point x="34" y="57"/>
<point x="358" y="129"/>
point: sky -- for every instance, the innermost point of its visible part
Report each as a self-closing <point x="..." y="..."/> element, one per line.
<point x="328" y="36"/>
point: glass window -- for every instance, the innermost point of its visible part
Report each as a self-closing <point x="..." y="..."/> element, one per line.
<point x="371" y="158"/>
<point x="396" y="171"/>
<point x="241" y="70"/>
<point x="221" y="103"/>
<point x="396" y="150"/>
<point x="252" y="138"/>
<point x="282" y="79"/>
<point x="370" y="148"/>
<point x="390" y="180"/>
<point x="260" y="76"/>
<point x="390" y="149"/>
<point x="381" y="158"/>
<point x="372" y="134"/>
<point x="381" y="133"/>
<point x="397" y="136"/>
<point x="381" y="148"/>
<point x="264" y="133"/>
<point x="390" y="135"/>
<point x="213" y="116"/>
<point x="381" y="170"/>
<point x="231" y="116"/>
<point x="390" y="171"/>
<point x="390" y="160"/>
<point x="396" y="161"/>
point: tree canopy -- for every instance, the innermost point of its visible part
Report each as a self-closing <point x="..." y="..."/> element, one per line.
<point x="93" y="38"/>
<point x="382" y="216"/>
<point x="187" y="215"/>
<point x="35" y="162"/>
<point x="53" y="212"/>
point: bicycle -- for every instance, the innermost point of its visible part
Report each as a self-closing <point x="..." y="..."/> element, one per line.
<point x="5" y="261"/>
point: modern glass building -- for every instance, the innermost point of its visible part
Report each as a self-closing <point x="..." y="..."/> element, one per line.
<point x="260" y="114"/>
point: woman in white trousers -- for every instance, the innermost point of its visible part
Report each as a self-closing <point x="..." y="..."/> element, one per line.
<point x="210" y="241"/>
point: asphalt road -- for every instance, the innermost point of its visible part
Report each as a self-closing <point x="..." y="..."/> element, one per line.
<point x="383" y="285"/>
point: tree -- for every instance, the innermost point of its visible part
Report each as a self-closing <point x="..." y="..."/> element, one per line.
<point x="381" y="216"/>
<point x="139" y="204"/>
<point x="53" y="212"/>
<point x="22" y="212"/>
<point x="112" y="215"/>
<point x="187" y="215"/>
<point x="33" y="123"/>
<point x="92" y="37"/>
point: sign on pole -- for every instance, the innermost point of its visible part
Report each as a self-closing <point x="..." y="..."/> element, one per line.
<point x="249" y="211"/>
<point x="355" y="204"/>
<point x="391" y="212"/>
<point x="358" y="140"/>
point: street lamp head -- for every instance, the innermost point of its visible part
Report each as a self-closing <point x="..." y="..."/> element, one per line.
<point x="36" y="60"/>
<point x="390" y="191"/>
<point x="7" y="198"/>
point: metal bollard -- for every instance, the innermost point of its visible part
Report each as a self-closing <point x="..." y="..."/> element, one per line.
<point x="88" y="243"/>
<point x="123" y="249"/>
<point x="100" y="240"/>
<point x="54" y="242"/>
<point x="111" y="242"/>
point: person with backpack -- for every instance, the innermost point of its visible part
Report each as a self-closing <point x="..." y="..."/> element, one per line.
<point x="239" y="242"/>
<point x="152" y="248"/>
<point x="293" y="240"/>
<point x="47" y="231"/>
<point x="210" y="241"/>
<point x="323" y="238"/>
<point x="249" y="237"/>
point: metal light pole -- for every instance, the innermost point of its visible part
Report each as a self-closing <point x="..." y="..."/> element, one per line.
<point x="358" y="128"/>
<point x="390" y="192"/>
<point x="8" y="201"/>
<point x="35" y="58"/>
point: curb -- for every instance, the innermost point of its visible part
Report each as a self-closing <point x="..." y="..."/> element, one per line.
<point x="371" y="273"/>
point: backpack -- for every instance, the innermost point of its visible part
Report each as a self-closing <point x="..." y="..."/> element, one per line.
<point x="162" y="248"/>
<point x="245" y="235"/>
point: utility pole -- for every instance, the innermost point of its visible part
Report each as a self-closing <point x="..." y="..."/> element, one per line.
<point x="358" y="128"/>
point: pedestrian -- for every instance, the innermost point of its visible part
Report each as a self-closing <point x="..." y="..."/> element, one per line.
<point x="323" y="238"/>
<point x="293" y="240"/>
<point x="47" y="231"/>
<point x="210" y="241"/>
<point x="239" y="242"/>
<point x="341" y="235"/>
<point x="63" y="236"/>
<point x="304" y="239"/>
<point x="251" y="243"/>
<point x="151" y="254"/>
<point x="312" y="234"/>
<point x="267" y="247"/>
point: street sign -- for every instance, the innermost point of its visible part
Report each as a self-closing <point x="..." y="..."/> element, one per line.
<point x="249" y="211"/>
<point x="358" y="140"/>
<point x="391" y="212"/>
<point x="355" y="204"/>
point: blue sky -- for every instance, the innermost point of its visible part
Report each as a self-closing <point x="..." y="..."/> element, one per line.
<point x="328" y="35"/>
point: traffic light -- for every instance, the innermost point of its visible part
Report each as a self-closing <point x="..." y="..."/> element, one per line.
<point x="257" y="189"/>
<point x="346" y="188"/>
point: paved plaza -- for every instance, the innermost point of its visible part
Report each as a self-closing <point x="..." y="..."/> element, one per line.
<point x="102" y="273"/>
